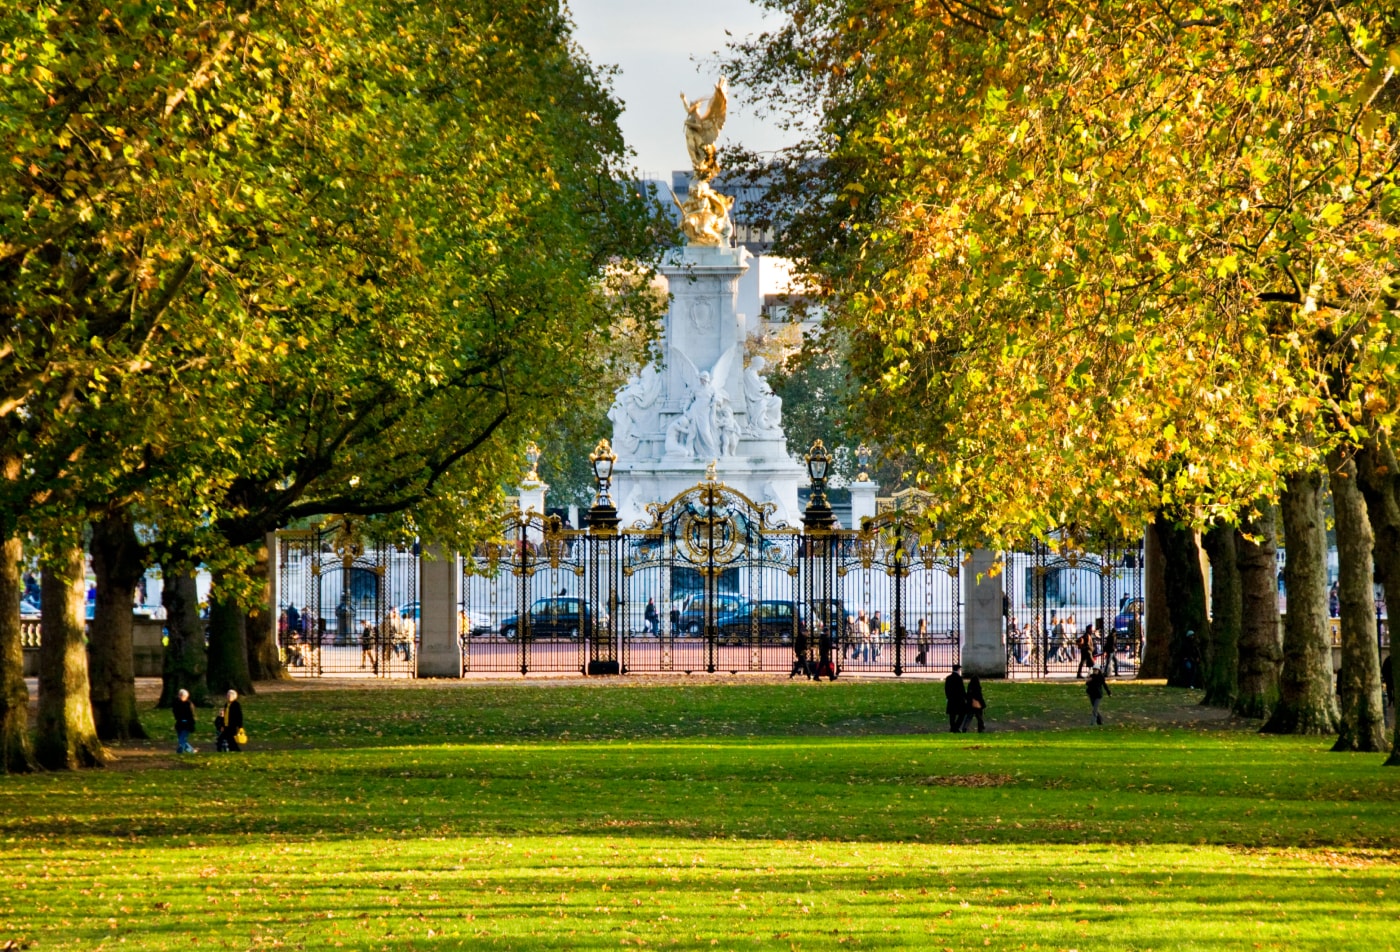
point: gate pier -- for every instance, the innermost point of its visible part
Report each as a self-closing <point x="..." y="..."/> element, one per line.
<point x="984" y="644"/>
<point x="440" y="647"/>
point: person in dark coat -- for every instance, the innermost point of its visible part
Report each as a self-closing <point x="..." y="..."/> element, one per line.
<point x="183" y="709"/>
<point x="229" y="723"/>
<point x="1110" y="652"/>
<point x="1086" y="651"/>
<point x="651" y="618"/>
<point x="800" y="662"/>
<point x="1096" y="687"/>
<point x="956" y="694"/>
<point x="976" y="704"/>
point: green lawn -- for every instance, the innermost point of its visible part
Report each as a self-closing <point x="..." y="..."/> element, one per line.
<point x="710" y="815"/>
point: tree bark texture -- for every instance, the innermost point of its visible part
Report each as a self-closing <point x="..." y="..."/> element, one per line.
<point x="1261" y="649"/>
<point x="1359" y="683"/>
<point x="118" y="562"/>
<point x="1307" y="702"/>
<point x="1378" y="478"/>
<point x="1221" y="653"/>
<point x="228" y="645"/>
<point x="1157" y="652"/>
<point x="185" y="661"/>
<point x="1186" y="601"/>
<point x="67" y="737"/>
<point x="16" y="755"/>
<point x="264" y="661"/>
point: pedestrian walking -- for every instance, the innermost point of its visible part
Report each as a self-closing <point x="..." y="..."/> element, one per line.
<point x="1388" y="682"/>
<point x="956" y="694"/>
<point x="1110" y="651"/>
<point x="921" y="637"/>
<point x="367" y="647"/>
<point x="1096" y="687"/>
<point x="1086" y="650"/>
<point x="229" y="724"/>
<point x="651" y="618"/>
<point x="976" y="704"/>
<point x="183" y="709"/>
<point x="860" y="637"/>
<point x="800" y="662"/>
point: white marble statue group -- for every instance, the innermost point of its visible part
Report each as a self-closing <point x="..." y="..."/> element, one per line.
<point x="707" y="425"/>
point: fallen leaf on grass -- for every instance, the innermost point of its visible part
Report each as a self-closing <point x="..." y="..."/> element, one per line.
<point x="967" y="780"/>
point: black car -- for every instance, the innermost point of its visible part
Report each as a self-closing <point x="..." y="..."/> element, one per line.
<point x="773" y="620"/>
<point x="691" y="620"/>
<point x="552" y="618"/>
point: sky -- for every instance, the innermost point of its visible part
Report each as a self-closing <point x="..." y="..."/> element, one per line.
<point x="664" y="47"/>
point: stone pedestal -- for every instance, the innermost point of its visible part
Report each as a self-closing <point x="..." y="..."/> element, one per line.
<point x="532" y="493"/>
<point x="984" y="643"/>
<point x="440" y="594"/>
<point x="862" y="501"/>
<point x="703" y="402"/>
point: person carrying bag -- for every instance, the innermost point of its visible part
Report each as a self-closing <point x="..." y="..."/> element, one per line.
<point x="229" y="724"/>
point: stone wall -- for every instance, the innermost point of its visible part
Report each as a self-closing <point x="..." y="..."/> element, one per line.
<point x="147" y="648"/>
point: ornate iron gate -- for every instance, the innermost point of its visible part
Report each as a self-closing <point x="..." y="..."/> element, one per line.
<point x="348" y="604"/>
<point x="710" y="584"/>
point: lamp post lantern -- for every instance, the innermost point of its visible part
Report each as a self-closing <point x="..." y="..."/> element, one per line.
<point x="603" y="514"/>
<point x="818" y="514"/>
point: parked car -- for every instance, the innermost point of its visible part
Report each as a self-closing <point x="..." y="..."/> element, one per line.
<point x="1131" y="612"/>
<point x="691" y="620"/>
<point x="551" y="618"/>
<point x="773" y="620"/>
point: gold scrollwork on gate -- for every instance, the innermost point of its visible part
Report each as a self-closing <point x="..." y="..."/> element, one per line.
<point x="709" y="537"/>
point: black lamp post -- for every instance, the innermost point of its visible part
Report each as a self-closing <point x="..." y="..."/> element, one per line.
<point x="818" y="514"/>
<point x="604" y="579"/>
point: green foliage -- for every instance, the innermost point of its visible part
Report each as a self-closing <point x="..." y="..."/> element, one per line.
<point x="322" y="257"/>
<point x="1095" y="262"/>
<point x="821" y="815"/>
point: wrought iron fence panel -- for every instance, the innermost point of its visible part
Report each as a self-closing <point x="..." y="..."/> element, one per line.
<point x="526" y="607"/>
<point x="898" y="599"/>
<point x="348" y="605"/>
<point x="1060" y="594"/>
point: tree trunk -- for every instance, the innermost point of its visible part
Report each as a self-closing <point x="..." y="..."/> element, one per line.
<point x="228" y="643"/>
<point x="67" y="737"/>
<point x="16" y="756"/>
<point x="118" y="562"/>
<point x="1220" y="664"/>
<point x="1261" y="651"/>
<point x="1377" y="473"/>
<point x="1362" y="706"/>
<point x="1157" y="652"/>
<point x="1307" y="703"/>
<point x="264" y="662"/>
<point x="185" y="662"/>
<point x="1186" y="601"/>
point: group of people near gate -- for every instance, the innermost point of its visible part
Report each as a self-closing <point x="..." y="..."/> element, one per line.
<point x="1096" y="645"/>
<point x="298" y="632"/>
